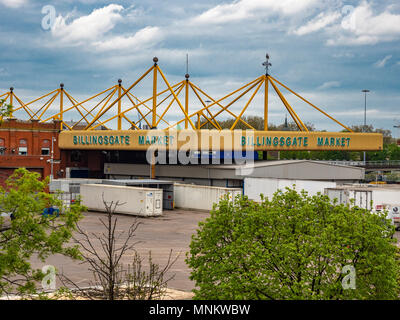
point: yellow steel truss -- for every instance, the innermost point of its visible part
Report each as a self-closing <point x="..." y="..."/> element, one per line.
<point x="98" y="110"/>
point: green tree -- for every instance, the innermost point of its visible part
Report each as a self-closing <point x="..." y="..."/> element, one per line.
<point x="29" y="233"/>
<point x="5" y="109"/>
<point x="293" y="246"/>
<point x="393" y="151"/>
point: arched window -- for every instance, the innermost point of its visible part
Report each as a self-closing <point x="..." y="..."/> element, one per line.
<point x="23" y="147"/>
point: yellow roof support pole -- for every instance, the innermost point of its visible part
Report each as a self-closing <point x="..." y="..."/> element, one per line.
<point x="209" y="121"/>
<point x="266" y="103"/>
<point x="22" y="105"/>
<point x="227" y="96"/>
<point x="176" y="98"/>
<point x="132" y="123"/>
<point x="186" y="99"/>
<point x="119" y="105"/>
<point x="73" y="102"/>
<point x="198" y="121"/>
<point x="48" y="104"/>
<point x="289" y="109"/>
<point x="108" y="96"/>
<point x="80" y="112"/>
<point x="25" y="105"/>
<point x="40" y="98"/>
<point x="78" y="104"/>
<point x="114" y="102"/>
<point x="62" y="105"/>
<point x="137" y="108"/>
<point x="161" y="102"/>
<point x="237" y="98"/>
<point x="323" y="112"/>
<point x="246" y="106"/>
<point x="66" y="125"/>
<point x="44" y="106"/>
<point x="154" y="114"/>
<point x="170" y="104"/>
<point x="204" y="105"/>
<point x="11" y="100"/>
<point x="106" y="102"/>
<point x="103" y="109"/>
<point x="216" y="102"/>
<point x="134" y="107"/>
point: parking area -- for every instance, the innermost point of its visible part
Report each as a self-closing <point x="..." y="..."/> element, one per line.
<point x="159" y="235"/>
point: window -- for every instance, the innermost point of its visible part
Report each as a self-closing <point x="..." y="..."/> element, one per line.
<point x="2" y="146"/>
<point x="23" y="147"/>
<point x="45" y="151"/>
<point x="23" y="151"/>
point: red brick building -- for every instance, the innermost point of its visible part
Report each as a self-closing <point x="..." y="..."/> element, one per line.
<point x="29" y="144"/>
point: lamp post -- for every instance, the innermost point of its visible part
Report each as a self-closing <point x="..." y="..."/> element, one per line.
<point x="52" y="158"/>
<point x="365" y="117"/>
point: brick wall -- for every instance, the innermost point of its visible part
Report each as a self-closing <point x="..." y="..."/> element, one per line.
<point x="33" y="137"/>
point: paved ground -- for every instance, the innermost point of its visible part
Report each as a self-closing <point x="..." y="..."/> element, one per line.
<point x="159" y="235"/>
<point x="397" y="236"/>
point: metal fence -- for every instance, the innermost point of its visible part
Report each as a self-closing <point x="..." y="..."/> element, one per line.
<point x="373" y="164"/>
<point x="67" y="198"/>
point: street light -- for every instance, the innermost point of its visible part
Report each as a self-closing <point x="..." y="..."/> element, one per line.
<point x="53" y="139"/>
<point x="365" y="116"/>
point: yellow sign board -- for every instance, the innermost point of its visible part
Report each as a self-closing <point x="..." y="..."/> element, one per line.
<point x="218" y="140"/>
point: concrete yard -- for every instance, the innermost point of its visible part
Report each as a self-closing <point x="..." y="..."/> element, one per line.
<point x="159" y="235"/>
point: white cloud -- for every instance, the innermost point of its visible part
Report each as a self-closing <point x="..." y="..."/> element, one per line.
<point x="13" y="3"/>
<point x="382" y="63"/>
<point x="143" y="38"/>
<point x="91" y="31"/>
<point x="244" y="9"/>
<point x="318" y="23"/>
<point x="87" y="28"/>
<point x="329" y="85"/>
<point x="362" y="27"/>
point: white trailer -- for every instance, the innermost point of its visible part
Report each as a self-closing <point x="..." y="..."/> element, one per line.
<point x="253" y="187"/>
<point x="133" y="200"/>
<point x="365" y="194"/>
<point x="374" y="198"/>
<point x="362" y="198"/>
<point x="197" y="197"/>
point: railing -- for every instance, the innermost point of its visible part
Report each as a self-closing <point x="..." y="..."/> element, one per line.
<point x="371" y="164"/>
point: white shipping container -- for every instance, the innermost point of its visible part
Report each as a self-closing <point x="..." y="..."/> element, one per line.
<point x="253" y="187"/>
<point x="132" y="200"/>
<point x="197" y="197"/>
<point x="363" y="196"/>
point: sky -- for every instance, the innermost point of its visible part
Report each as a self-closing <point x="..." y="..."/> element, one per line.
<point x="327" y="51"/>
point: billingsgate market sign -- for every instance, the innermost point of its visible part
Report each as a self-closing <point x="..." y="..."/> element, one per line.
<point x="142" y="140"/>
